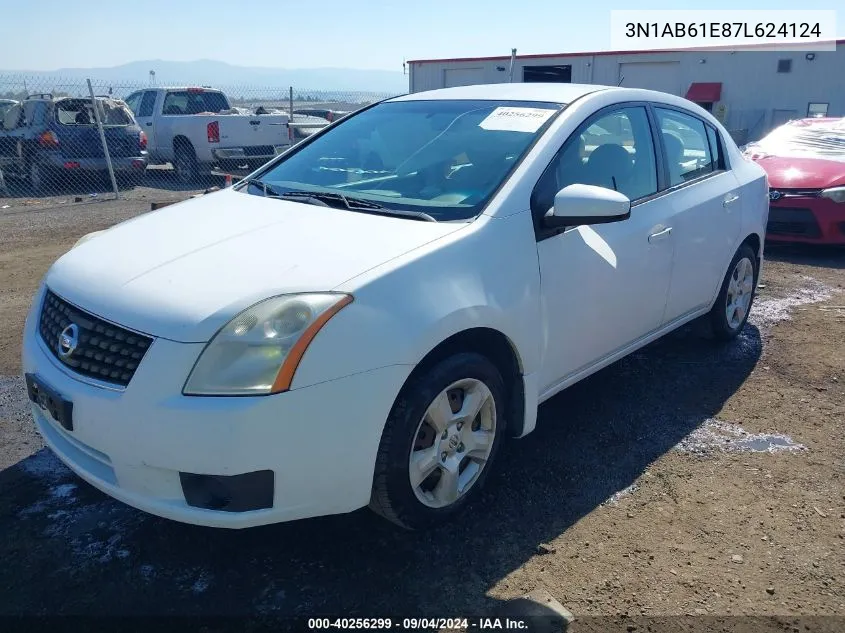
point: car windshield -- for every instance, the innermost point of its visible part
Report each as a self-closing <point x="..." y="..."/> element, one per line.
<point x="442" y="158"/>
<point x="804" y="139"/>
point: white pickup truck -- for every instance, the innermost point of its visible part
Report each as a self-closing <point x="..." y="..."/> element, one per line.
<point x="197" y="129"/>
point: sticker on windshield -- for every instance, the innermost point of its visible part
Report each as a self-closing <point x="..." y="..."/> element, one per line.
<point x="516" y="119"/>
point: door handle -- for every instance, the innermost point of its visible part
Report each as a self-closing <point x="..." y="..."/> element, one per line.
<point x="149" y="123"/>
<point x="654" y="237"/>
<point x="729" y="199"/>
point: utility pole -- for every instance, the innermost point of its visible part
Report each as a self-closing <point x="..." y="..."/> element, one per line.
<point x="513" y="61"/>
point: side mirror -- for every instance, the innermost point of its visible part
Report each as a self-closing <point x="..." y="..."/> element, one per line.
<point x="579" y="204"/>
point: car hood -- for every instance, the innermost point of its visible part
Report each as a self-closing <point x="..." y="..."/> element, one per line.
<point x="184" y="271"/>
<point x="803" y="173"/>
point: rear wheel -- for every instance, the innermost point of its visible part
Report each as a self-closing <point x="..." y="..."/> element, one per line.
<point x="41" y="179"/>
<point x="733" y="305"/>
<point x="186" y="165"/>
<point x="439" y="442"/>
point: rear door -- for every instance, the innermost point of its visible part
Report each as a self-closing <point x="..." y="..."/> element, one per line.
<point x="704" y="194"/>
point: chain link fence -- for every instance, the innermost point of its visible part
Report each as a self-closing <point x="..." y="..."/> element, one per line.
<point x="65" y="136"/>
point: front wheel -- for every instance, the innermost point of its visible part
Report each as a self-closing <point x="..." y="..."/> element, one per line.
<point x="733" y="305"/>
<point x="440" y="441"/>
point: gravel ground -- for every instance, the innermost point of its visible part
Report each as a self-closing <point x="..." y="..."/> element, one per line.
<point x="687" y="479"/>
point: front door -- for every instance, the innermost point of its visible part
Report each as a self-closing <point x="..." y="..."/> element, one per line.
<point x="142" y="106"/>
<point x="603" y="286"/>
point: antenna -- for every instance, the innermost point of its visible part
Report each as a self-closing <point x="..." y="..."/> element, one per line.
<point x="621" y="79"/>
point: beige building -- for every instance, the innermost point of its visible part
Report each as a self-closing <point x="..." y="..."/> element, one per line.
<point x="751" y="91"/>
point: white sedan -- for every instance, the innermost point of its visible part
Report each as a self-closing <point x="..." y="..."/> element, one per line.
<point x="367" y="318"/>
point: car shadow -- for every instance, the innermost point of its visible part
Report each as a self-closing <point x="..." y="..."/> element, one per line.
<point x="593" y="440"/>
<point x="822" y="255"/>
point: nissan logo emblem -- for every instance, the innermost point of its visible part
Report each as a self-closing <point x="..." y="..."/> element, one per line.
<point x="68" y="340"/>
<point x="775" y="195"/>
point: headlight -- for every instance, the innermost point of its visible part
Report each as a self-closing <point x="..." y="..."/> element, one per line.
<point x="837" y="194"/>
<point x="85" y="238"/>
<point x="257" y="352"/>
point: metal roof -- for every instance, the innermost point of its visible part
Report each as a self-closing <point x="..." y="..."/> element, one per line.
<point x="601" y="53"/>
<point x="549" y="92"/>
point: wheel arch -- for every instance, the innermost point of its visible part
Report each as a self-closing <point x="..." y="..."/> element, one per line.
<point x="182" y="142"/>
<point x="500" y="350"/>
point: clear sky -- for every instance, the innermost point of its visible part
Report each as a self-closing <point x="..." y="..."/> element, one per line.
<point x="371" y="34"/>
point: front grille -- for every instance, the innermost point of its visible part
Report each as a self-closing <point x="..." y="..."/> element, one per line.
<point x="104" y="351"/>
<point x="259" y="150"/>
<point x="797" y="222"/>
<point x="796" y="193"/>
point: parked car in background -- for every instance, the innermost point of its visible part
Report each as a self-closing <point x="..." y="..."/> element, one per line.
<point x="304" y="125"/>
<point x="197" y="129"/>
<point x="323" y="113"/>
<point x="805" y="162"/>
<point x="366" y="319"/>
<point x="5" y="104"/>
<point x="44" y="139"/>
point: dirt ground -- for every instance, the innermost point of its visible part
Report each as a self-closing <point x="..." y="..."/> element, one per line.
<point x="689" y="479"/>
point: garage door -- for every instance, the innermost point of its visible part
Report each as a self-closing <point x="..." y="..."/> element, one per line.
<point x="662" y="76"/>
<point x="453" y="77"/>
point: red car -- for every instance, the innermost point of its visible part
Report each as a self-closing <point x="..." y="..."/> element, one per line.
<point x="805" y="161"/>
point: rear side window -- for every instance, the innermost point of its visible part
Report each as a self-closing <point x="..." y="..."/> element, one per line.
<point x="35" y="112"/>
<point x="687" y="146"/>
<point x="715" y="148"/>
<point x="183" y="102"/>
<point x="133" y="101"/>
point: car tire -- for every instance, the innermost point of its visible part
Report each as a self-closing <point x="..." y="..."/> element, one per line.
<point x="457" y="458"/>
<point x="41" y="180"/>
<point x="186" y="165"/>
<point x="736" y="296"/>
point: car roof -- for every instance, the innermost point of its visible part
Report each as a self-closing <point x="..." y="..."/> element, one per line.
<point x="545" y="92"/>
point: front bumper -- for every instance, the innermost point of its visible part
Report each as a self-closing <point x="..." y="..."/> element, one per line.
<point x="148" y="446"/>
<point x="806" y="219"/>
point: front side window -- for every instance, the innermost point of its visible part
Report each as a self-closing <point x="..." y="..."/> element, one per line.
<point x="147" y="104"/>
<point x="443" y="158"/>
<point x="133" y="101"/>
<point x="616" y="151"/>
<point x="687" y="148"/>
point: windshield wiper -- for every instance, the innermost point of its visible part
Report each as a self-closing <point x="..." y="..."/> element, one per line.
<point x="269" y="192"/>
<point x="340" y="201"/>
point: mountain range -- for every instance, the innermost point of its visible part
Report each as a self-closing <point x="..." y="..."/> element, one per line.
<point x="221" y="74"/>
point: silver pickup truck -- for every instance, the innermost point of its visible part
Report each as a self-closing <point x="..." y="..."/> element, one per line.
<point x="197" y="129"/>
